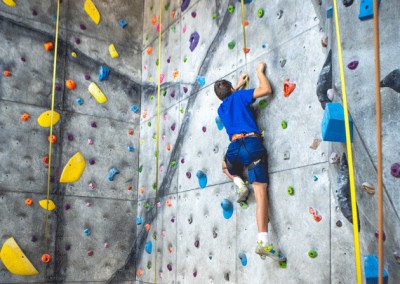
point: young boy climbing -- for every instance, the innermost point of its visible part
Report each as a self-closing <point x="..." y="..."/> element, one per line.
<point x="246" y="149"/>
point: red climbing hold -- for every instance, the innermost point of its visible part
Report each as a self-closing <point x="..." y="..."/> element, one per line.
<point x="288" y="87"/>
<point x="246" y="23"/>
<point x="129" y="187"/>
<point x="148" y="227"/>
<point x="28" y="201"/>
<point x="71" y="84"/>
<point x="90" y="253"/>
<point x="246" y="50"/>
<point x="168" y="147"/>
<point x="25" y="117"/>
<point x="48" y="46"/>
<point x="53" y="139"/>
<point x="46" y="160"/>
<point x="46" y="258"/>
<point x="130" y="132"/>
<point x="7" y="73"/>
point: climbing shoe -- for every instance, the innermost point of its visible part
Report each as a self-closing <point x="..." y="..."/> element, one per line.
<point x="242" y="193"/>
<point x="269" y="251"/>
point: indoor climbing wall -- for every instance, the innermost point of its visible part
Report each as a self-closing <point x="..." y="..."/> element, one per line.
<point x="89" y="234"/>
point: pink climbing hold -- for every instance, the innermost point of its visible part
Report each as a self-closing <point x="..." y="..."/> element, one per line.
<point x="184" y="29"/>
<point x="145" y="67"/>
<point x="159" y="204"/>
<point x="105" y="245"/>
<point x="161" y="78"/>
<point x="188" y="175"/>
<point x="163" y="138"/>
<point x="160" y="275"/>
<point x="161" y="168"/>
<point x="165" y="117"/>
<point x="158" y="27"/>
<point x="91" y="185"/>
<point x="163" y="233"/>
<point x="90" y="142"/>
<point x="93" y="124"/>
<point x="172" y="95"/>
<point x="88" y="204"/>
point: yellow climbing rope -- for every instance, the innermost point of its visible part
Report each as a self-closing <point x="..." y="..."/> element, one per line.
<point x="349" y="152"/>
<point x="244" y="40"/>
<point x="51" y="127"/>
<point x="158" y="135"/>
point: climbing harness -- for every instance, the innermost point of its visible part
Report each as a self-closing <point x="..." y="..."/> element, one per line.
<point x="244" y="41"/>
<point x="158" y="133"/>
<point x="349" y="152"/>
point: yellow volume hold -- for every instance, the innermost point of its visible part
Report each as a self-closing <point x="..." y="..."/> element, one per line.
<point x="43" y="203"/>
<point x="91" y="9"/>
<point x="73" y="169"/>
<point x="15" y="260"/>
<point x="44" y="119"/>
<point x="113" y="52"/>
<point x="10" y="3"/>
<point x="97" y="93"/>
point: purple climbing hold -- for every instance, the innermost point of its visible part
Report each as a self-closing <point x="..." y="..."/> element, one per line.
<point x="185" y="4"/>
<point x="77" y="41"/>
<point x="23" y="59"/>
<point x="168" y="60"/>
<point x="204" y="129"/>
<point x="91" y="162"/>
<point x="196" y="243"/>
<point x="67" y="247"/>
<point x="70" y="137"/>
<point x="83" y="27"/>
<point x="185" y="90"/>
<point x="183" y="161"/>
<point x="352" y="65"/>
<point x="87" y="77"/>
<point x="194" y="40"/>
<point x="66" y="206"/>
<point x="51" y="179"/>
<point x="57" y="87"/>
<point x="169" y="267"/>
<point x="93" y="124"/>
<point x="33" y="239"/>
<point x="188" y="175"/>
<point x="195" y="274"/>
<point x="173" y="127"/>
<point x="172" y="95"/>
<point x="383" y="235"/>
<point x="194" y="14"/>
<point x="172" y="220"/>
<point x="34" y="13"/>
<point x="395" y="170"/>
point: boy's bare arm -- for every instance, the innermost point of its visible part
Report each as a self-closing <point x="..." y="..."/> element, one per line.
<point x="265" y="88"/>
<point x="241" y="82"/>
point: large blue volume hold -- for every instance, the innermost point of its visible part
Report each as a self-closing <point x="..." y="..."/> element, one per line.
<point x="329" y="12"/>
<point x="371" y="267"/>
<point x="333" y="126"/>
<point x="367" y="9"/>
<point x="103" y="73"/>
<point x="148" y="247"/>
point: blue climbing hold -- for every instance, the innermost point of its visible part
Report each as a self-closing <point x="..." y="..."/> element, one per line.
<point x="130" y="148"/>
<point x="202" y="179"/>
<point x="103" y="73"/>
<point x="138" y="220"/>
<point x="329" y="12"/>
<point x="122" y="23"/>
<point x="367" y="9"/>
<point x="148" y="247"/>
<point x="227" y="208"/>
<point x="113" y="172"/>
<point x="55" y="17"/>
<point x="264" y="46"/>
<point x="79" y="101"/>
<point x="333" y="126"/>
<point x="243" y="259"/>
<point x="245" y="1"/>
<point x="371" y="269"/>
<point x="201" y="80"/>
<point x="87" y="232"/>
<point x="134" y="108"/>
<point x="315" y="178"/>
<point x="220" y="125"/>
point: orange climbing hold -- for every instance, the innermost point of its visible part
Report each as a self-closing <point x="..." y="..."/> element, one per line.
<point x="71" y="84"/>
<point x="139" y="272"/>
<point x="246" y="23"/>
<point x="28" y="201"/>
<point x="7" y="73"/>
<point x="142" y="190"/>
<point x="247" y="50"/>
<point x="25" y="117"/>
<point x="173" y="15"/>
<point x="144" y="114"/>
<point x="129" y="187"/>
<point x="48" y="46"/>
<point x="53" y="139"/>
<point x="148" y="227"/>
<point x="175" y="74"/>
<point x="154" y="20"/>
<point x="46" y="160"/>
<point x="46" y="258"/>
<point x="168" y="147"/>
<point x="170" y="250"/>
<point x="130" y="132"/>
<point x="149" y="50"/>
<point x="169" y="202"/>
<point x="288" y="87"/>
<point x="315" y="215"/>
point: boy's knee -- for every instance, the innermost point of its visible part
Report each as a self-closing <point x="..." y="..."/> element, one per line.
<point x="224" y="165"/>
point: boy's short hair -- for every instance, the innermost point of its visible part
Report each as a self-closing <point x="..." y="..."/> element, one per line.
<point x="223" y="89"/>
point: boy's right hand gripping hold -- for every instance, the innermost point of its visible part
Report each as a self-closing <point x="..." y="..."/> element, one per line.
<point x="265" y="88"/>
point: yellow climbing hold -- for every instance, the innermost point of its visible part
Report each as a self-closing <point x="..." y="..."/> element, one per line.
<point x="51" y="204"/>
<point x="44" y="119"/>
<point x="97" y="93"/>
<point x="142" y="142"/>
<point x="10" y="3"/>
<point x="113" y="52"/>
<point x="73" y="54"/>
<point x="15" y="260"/>
<point x="150" y="79"/>
<point x="91" y="9"/>
<point x="73" y="169"/>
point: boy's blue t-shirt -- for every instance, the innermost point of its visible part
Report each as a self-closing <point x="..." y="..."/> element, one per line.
<point x="236" y="115"/>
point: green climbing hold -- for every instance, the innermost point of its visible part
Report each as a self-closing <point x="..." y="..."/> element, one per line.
<point x="151" y="98"/>
<point x="173" y="163"/>
<point x="231" y="9"/>
<point x="166" y="7"/>
<point x="290" y="190"/>
<point x="184" y="60"/>
<point x="148" y="266"/>
<point x="151" y="8"/>
<point x="260" y="13"/>
<point x="154" y="237"/>
<point x="231" y="45"/>
<point x="283" y="124"/>
<point x="312" y="254"/>
<point x="181" y="110"/>
<point x="147" y="38"/>
<point x="164" y="93"/>
<point x="149" y="124"/>
<point x="140" y="169"/>
<point x="146" y="206"/>
<point x="154" y="186"/>
<point x="155" y="154"/>
<point x="154" y="137"/>
<point x="262" y="104"/>
<point x="244" y="205"/>
<point x="282" y="264"/>
<point x="173" y="28"/>
<point x="214" y="16"/>
<point x="157" y="62"/>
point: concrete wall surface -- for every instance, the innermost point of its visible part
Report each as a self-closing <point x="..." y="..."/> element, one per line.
<point x="179" y="213"/>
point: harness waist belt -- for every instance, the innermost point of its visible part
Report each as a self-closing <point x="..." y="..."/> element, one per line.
<point x="244" y="135"/>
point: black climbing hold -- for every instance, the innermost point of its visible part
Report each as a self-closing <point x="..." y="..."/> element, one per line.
<point x="325" y="81"/>
<point x="347" y="3"/>
<point x="392" y="80"/>
<point x="226" y="276"/>
<point x="339" y="223"/>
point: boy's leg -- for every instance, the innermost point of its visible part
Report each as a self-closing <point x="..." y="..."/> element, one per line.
<point x="260" y="192"/>
<point x="225" y="169"/>
<point x="243" y="190"/>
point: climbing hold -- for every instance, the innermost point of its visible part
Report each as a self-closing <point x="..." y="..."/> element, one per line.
<point x="392" y="80"/>
<point x="210" y="257"/>
<point x="112" y="50"/>
<point x="188" y="175"/>
<point x="184" y="29"/>
<point x="183" y="161"/>
<point x="168" y="147"/>
<point x="194" y="14"/>
<point x="66" y="206"/>
<point x="44" y="203"/>
<point x="201" y="80"/>
<point x="214" y="16"/>
<point x="182" y="110"/>
<point x="246" y="23"/>
<point x="138" y="220"/>
<point x="28" y="201"/>
<point x="197" y="243"/>
<point x="112" y="173"/>
<point x="290" y="190"/>
<point x="90" y="253"/>
<point x="367" y="187"/>
<point x="173" y="127"/>
<point x="105" y="245"/>
<point x="334" y="159"/>
<point x="367" y="10"/>
<point x="91" y="185"/>
<point x="315" y="178"/>
<point x="330" y="94"/>
<point x="371" y="269"/>
<point x="315" y="143"/>
<point x="48" y="46"/>
<point x="140" y="169"/>
<point x="339" y="223"/>
<point x="57" y="88"/>
<point x="352" y="65"/>
<point x="7" y="73"/>
<point x="70" y="137"/>
<point x="325" y="81"/>
<point x="329" y="12"/>
<point x="202" y="178"/>
<point x="283" y="124"/>
<point x="244" y="205"/>
<point x="174" y="74"/>
<point x="142" y="190"/>
<point x="204" y="129"/>
<point x="154" y="186"/>
<point x="91" y="10"/>
<point x="148" y="247"/>
<point x="227" y="208"/>
<point x="46" y="258"/>
<point x="185" y="4"/>
<point x="158" y="27"/>
<point x="154" y="20"/>
<point x="87" y="232"/>
<point x="53" y="139"/>
<point x="172" y="220"/>
<point x="93" y="124"/>
<point x="161" y="77"/>
<point x="157" y="62"/>
<point x="97" y="93"/>
<point x="347" y="3"/>
<point x="164" y="93"/>
<point x="149" y="124"/>
<point x="130" y="148"/>
<point x="90" y="142"/>
<point x="263" y="46"/>
<point x="172" y="15"/>
<point x="73" y="54"/>
<point x="23" y="59"/>
<point x="396" y="257"/>
<point x="166" y="7"/>
<point x="149" y="50"/>
<point x="134" y="109"/>
<point x="312" y="254"/>
<point x="315" y="215"/>
<point x="103" y="73"/>
<point x="231" y="45"/>
<point x="184" y="60"/>
<point x="219" y="122"/>
<point x="243" y="259"/>
<point x="146" y="206"/>
<point x="282" y="63"/>
<point x="282" y="264"/>
<point x="194" y="40"/>
<point x="151" y="8"/>
<point x="169" y="267"/>
<point x="195" y="274"/>
<point x="324" y="42"/>
<point x="122" y="23"/>
<point x="246" y="50"/>
<point x="67" y="247"/>
<point x="70" y="84"/>
<point x="83" y="27"/>
<point x="383" y="235"/>
<point x="140" y="272"/>
<point x="155" y="237"/>
<point x="395" y="170"/>
<point x="87" y="77"/>
<point x="333" y="125"/>
<point x="231" y="9"/>
<point x="260" y="13"/>
<point x="288" y="87"/>
<point x="25" y="117"/>
<point x="262" y="104"/>
<point x="77" y="41"/>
